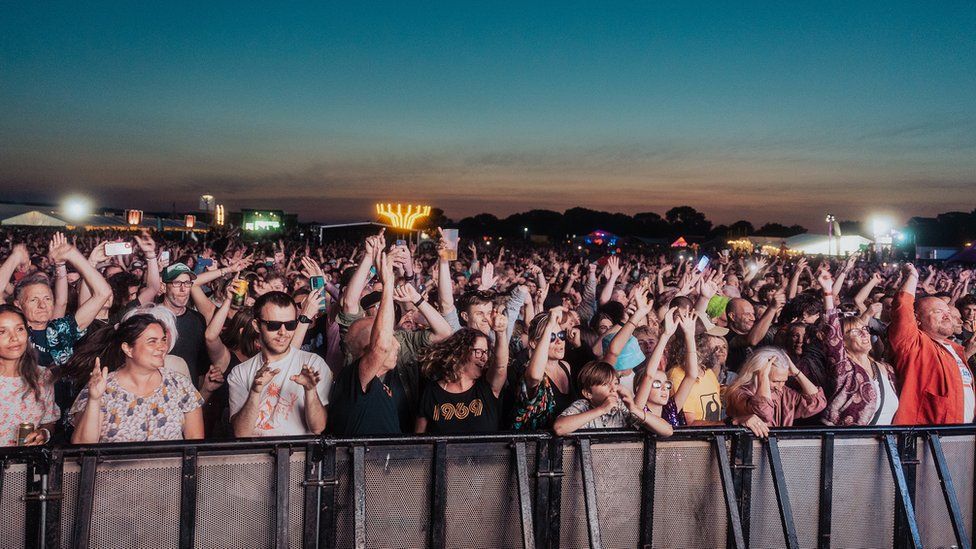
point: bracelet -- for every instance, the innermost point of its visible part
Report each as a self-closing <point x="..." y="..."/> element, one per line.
<point x="418" y="303"/>
<point x="153" y="256"/>
<point x="47" y="434"/>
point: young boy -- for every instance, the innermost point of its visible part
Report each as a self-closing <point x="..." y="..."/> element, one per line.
<point x="606" y="405"/>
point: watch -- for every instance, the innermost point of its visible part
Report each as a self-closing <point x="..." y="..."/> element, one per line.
<point x="304" y="319"/>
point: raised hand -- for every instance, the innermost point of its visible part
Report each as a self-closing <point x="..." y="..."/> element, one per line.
<point x="97" y="382"/>
<point x="213" y="380"/>
<point x="488" y="278"/>
<point x="499" y="322"/>
<point x="614" y="264"/>
<point x="555" y="317"/>
<point x="310" y="268"/>
<point x="386" y="268"/>
<point x="825" y="279"/>
<point x="59" y="248"/>
<point x="313" y="303"/>
<point x="262" y="377"/>
<point x="687" y="322"/>
<point x="406" y="293"/>
<point x="909" y="270"/>
<point x="145" y="243"/>
<point x="671" y="321"/>
<point x="308" y="378"/>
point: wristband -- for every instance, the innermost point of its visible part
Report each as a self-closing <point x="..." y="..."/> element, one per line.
<point x="153" y="256"/>
<point x="47" y="434"/>
<point x="418" y="303"/>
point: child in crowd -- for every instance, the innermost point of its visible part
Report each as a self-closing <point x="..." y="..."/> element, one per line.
<point x="607" y="405"/>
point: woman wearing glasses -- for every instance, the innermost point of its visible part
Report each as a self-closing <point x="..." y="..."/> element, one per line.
<point x="466" y="380"/>
<point x="865" y="387"/>
<point x="139" y="399"/>
<point x="548" y="386"/>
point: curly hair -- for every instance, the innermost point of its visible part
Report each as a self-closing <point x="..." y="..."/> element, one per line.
<point x="443" y="361"/>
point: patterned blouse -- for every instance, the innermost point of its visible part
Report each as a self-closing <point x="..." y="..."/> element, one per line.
<point x="855" y="400"/>
<point x="18" y="405"/>
<point x="130" y="418"/>
<point x="538" y="408"/>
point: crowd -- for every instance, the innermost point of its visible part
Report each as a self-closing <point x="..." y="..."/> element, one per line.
<point x="224" y="337"/>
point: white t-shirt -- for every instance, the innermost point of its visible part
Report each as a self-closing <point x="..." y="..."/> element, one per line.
<point x="282" y="408"/>
<point x="969" y="395"/>
<point x="882" y="383"/>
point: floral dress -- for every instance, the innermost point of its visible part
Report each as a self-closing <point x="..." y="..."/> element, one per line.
<point x="19" y="405"/>
<point x="130" y="418"/>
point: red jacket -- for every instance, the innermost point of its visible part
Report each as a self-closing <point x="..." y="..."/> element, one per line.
<point x="931" y="384"/>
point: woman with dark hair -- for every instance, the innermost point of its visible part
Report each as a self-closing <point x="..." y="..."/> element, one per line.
<point x="26" y="391"/>
<point x="466" y="380"/>
<point x="139" y="399"/>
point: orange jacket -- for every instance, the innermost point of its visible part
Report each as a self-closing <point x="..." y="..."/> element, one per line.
<point x="931" y="385"/>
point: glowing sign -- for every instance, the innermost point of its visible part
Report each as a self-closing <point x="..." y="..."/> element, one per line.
<point x="402" y="218"/>
<point x="262" y="220"/>
<point x="219" y="215"/>
<point x="134" y="217"/>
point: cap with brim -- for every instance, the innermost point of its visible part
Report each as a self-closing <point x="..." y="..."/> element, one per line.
<point x="370" y="299"/>
<point x="172" y="272"/>
<point x="630" y="357"/>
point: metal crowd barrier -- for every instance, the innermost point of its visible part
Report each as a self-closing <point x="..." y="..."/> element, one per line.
<point x="854" y="487"/>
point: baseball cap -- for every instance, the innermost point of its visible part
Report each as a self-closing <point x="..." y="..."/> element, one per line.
<point x="630" y="357"/>
<point x="176" y="269"/>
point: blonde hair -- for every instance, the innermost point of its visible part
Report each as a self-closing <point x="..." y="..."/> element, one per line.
<point x="755" y="362"/>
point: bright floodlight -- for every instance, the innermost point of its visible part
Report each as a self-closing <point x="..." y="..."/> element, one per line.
<point x="76" y="207"/>
<point x="880" y="225"/>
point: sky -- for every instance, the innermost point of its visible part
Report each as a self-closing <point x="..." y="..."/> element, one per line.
<point x="765" y="111"/>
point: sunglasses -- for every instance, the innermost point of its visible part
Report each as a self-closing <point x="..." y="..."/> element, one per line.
<point x="275" y="325"/>
<point x="560" y="335"/>
<point x="477" y="353"/>
<point x="657" y="384"/>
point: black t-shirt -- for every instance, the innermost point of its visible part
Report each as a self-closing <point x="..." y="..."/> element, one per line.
<point x="191" y="345"/>
<point x="354" y="412"/>
<point x="473" y="411"/>
<point x="740" y="350"/>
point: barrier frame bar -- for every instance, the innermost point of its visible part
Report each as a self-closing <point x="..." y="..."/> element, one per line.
<point x="907" y="511"/>
<point x="648" y="474"/>
<point x="438" y="501"/>
<point x="543" y="477"/>
<point x="826" y="490"/>
<point x="188" y="498"/>
<point x="948" y="491"/>
<point x="359" y="495"/>
<point x="81" y="528"/>
<point x="782" y="493"/>
<point x="327" y="501"/>
<point x="556" y="473"/>
<point x="52" y="499"/>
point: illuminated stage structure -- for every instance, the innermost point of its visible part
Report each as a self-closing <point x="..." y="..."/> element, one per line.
<point x="402" y="218"/>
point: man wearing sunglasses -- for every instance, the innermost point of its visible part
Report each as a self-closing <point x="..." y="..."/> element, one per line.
<point x="282" y="390"/>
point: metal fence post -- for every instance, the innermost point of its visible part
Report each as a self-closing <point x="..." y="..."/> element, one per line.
<point x="647" y="491"/>
<point x="556" y="474"/>
<point x="737" y="539"/>
<point x="188" y="498"/>
<point x="542" y="476"/>
<point x="826" y="490"/>
<point x="906" y="527"/>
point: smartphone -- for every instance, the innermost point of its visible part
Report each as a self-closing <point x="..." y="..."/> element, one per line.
<point x="118" y="248"/>
<point x="269" y="262"/>
<point x="164" y="256"/>
<point x="318" y="283"/>
<point x="702" y="263"/>
<point x="401" y="242"/>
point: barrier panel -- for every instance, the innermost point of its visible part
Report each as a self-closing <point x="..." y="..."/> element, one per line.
<point x="858" y="487"/>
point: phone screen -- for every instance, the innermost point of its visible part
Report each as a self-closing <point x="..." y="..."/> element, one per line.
<point x="702" y="263"/>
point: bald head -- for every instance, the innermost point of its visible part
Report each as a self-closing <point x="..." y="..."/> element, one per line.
<point x="934" y="318"/>
<point x="741" y="314"/>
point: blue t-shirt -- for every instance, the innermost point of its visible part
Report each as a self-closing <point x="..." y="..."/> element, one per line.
<point x="56" y="343"/>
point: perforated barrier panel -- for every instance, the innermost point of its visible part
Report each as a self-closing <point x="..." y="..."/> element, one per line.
<point x="398" y="480"/>
<point x="801" y="467"/>
<point x="689" y="509"/>
<point x="13" y="523"/>
<point x="933" y="516"/>
<point x="864" y="495"/>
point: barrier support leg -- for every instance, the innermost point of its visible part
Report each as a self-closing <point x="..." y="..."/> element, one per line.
<point x="525" y="497"/>
<point x="647" y="492"/>
<point x="589" y="494"/>
<point x="826" y="490"/>
<point x="782" y="493"/>
<point x="728" y="488"/>
<point x="188" y="498"/>
<point x="908" y="529"/>
<point x="81" y="529"/>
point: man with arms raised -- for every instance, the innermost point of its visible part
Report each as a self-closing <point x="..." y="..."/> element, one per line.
<point x="282" y="390"/>
<point x="936" y="384"/>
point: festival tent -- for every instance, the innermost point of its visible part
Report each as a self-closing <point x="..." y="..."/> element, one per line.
<point x="821" y="244"/>
<point x="35" y="218"/>
<point x="965" y="255"/>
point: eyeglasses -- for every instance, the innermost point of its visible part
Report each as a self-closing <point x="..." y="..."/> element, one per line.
<point x="657" y="384"/>
<point x="560" y="335"/>
<point x="862" y="330"/>
<point x="478" y="353"/>
<point x="275" y="325"/>
<point x="181" y="284"/>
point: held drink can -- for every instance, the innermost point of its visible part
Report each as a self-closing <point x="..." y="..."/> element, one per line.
<point x="240" y="293"/>
<point x="22" y="432"/>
